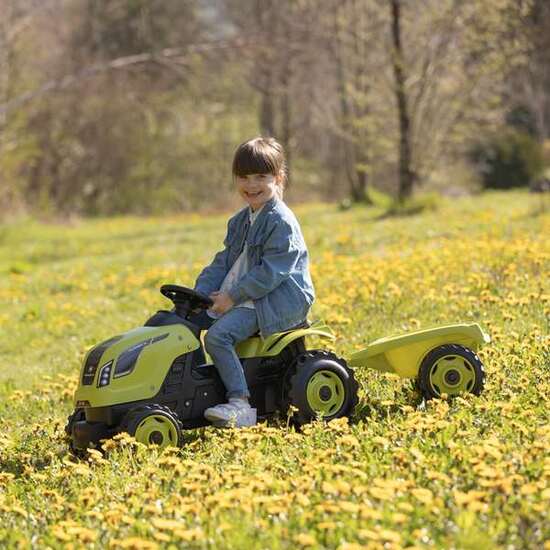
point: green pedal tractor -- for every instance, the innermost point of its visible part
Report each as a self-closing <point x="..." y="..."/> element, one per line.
<point x="154" y="381"/>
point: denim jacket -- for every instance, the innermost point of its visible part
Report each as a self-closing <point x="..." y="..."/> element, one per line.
<point x="278" y="279"/>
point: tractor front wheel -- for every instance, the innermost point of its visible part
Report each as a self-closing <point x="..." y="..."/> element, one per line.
<point x="154" y="425"/>
<point x="319" y="383"/>
<point x="76" y="416"/>
<point x="451" y="369"/>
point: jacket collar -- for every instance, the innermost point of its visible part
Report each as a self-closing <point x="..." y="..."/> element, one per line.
<point x="267" y="207"/>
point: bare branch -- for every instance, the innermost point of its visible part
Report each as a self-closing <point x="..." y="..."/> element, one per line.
<point x="175" y="55"/>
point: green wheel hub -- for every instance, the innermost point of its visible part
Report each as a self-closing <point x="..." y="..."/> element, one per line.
<point x="452" y="374"/>
<point x="325" y="392"/>
<point x="157" y="429"/>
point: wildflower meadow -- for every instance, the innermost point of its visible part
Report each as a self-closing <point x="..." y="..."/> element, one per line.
<point x="467" y="473"/>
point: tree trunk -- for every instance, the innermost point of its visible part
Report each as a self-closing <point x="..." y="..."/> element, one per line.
<point x="264" y="67"/>
<point x="406" y="174"/>
<point x="286" y="119"/>
<point x="267" y="112"/>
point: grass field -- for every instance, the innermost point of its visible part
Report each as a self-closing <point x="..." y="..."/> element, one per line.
<point x="468" y="473"/>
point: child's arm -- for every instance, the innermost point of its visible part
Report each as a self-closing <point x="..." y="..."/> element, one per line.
<point x="211" y="277"/>
<point x="280" y="255"/>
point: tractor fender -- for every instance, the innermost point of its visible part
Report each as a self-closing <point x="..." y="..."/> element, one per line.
<point x="274" y="344"/>
<point x="278" y="345"/>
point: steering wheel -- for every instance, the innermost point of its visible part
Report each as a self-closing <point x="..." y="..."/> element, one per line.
<point x="185" y="299"/>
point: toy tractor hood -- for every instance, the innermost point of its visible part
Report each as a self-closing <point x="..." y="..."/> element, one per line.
<point x="131" y="366"/>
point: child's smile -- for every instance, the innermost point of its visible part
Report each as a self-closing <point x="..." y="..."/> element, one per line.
<point x="257" y="189"/>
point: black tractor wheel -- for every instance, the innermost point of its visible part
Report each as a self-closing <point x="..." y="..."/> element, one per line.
<point x="154" y="425"/>
<point x="451" y="369"/>
<point x="319" y="383"/>
<point x="76" y="416"/>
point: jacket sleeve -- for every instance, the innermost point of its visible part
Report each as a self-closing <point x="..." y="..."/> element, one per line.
<point x="212" y="276"/>
<point x="281" y="252"/>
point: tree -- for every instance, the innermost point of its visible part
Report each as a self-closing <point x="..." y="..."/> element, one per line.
<point x="529" y="81"/>
<point x="406" y="174"/>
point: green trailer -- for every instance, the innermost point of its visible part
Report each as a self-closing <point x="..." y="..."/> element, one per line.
<point x="443" y="359"/>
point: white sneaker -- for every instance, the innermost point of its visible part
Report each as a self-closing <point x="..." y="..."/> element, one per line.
<point x="237" y="413"/>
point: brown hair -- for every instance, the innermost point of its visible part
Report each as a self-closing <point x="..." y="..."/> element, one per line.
<point x="261" y="156"/>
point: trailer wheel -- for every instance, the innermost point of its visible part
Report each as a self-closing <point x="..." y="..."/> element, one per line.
<point x="451" y="369"/>
<point x="319" y="383"/>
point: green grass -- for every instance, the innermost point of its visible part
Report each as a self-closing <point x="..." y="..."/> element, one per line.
<point x="463" y="474"/>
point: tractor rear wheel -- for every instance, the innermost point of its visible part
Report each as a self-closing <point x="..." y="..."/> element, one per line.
<point x="319" y="384"/>
<point x="154" y="425"/>
<point x="451" y="369"/>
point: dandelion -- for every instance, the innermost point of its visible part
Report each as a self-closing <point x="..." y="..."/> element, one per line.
<point x="166" y="524"/>
<point x="189" y="534"/>
<point x="423" y="495"/>
<point x="469" y="497"/>
<point x="351" y="546"/>
<point x="303" y="539"/>
<point x="133" y="543"/>
<point x="326" y="525"/>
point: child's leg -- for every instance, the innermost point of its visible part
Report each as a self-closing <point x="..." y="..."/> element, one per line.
<point x="236" y="325"/>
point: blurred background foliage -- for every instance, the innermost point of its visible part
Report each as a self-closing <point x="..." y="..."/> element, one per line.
<point x="136" y="106"/>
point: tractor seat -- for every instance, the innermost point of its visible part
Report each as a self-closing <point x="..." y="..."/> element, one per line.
<point x="304" y="324"/>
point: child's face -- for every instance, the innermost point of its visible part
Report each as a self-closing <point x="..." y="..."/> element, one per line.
<point x="257" y="189"/>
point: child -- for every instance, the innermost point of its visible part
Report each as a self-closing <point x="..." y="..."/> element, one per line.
<point x="260" y="280"/>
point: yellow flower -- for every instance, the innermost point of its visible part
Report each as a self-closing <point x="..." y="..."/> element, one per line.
<point x="382" y="493"/>
<point x="348" y="440"/>
<point x="326" y="525"/>
<point x="168" y="524"/>
<point x="423" y="495"/>
<point x="304" y="539"/>
<point x="370" y="513"/>
<point x="368" y="534"/>
<point x="399" y="518"/>
<point x="351" y="507"/>
<point x="189" y="534"/>
<point x="390" y="536"/>
<point x="529" y="489"/>
<point x="82" y="533"/>
<point x="133" y="543"/>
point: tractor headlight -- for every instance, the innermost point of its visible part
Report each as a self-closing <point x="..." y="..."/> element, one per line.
<point x="105" y="374"/>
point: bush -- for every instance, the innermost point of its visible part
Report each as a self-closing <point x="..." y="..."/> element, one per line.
<point x="508" y="159"/>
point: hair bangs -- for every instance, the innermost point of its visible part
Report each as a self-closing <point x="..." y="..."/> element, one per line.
<point x="256" y="157"/>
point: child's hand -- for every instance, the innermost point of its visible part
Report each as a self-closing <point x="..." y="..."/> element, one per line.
<point x="222" y="302"/>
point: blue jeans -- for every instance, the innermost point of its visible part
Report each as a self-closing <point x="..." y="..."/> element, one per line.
<point x="238" y="324"/>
